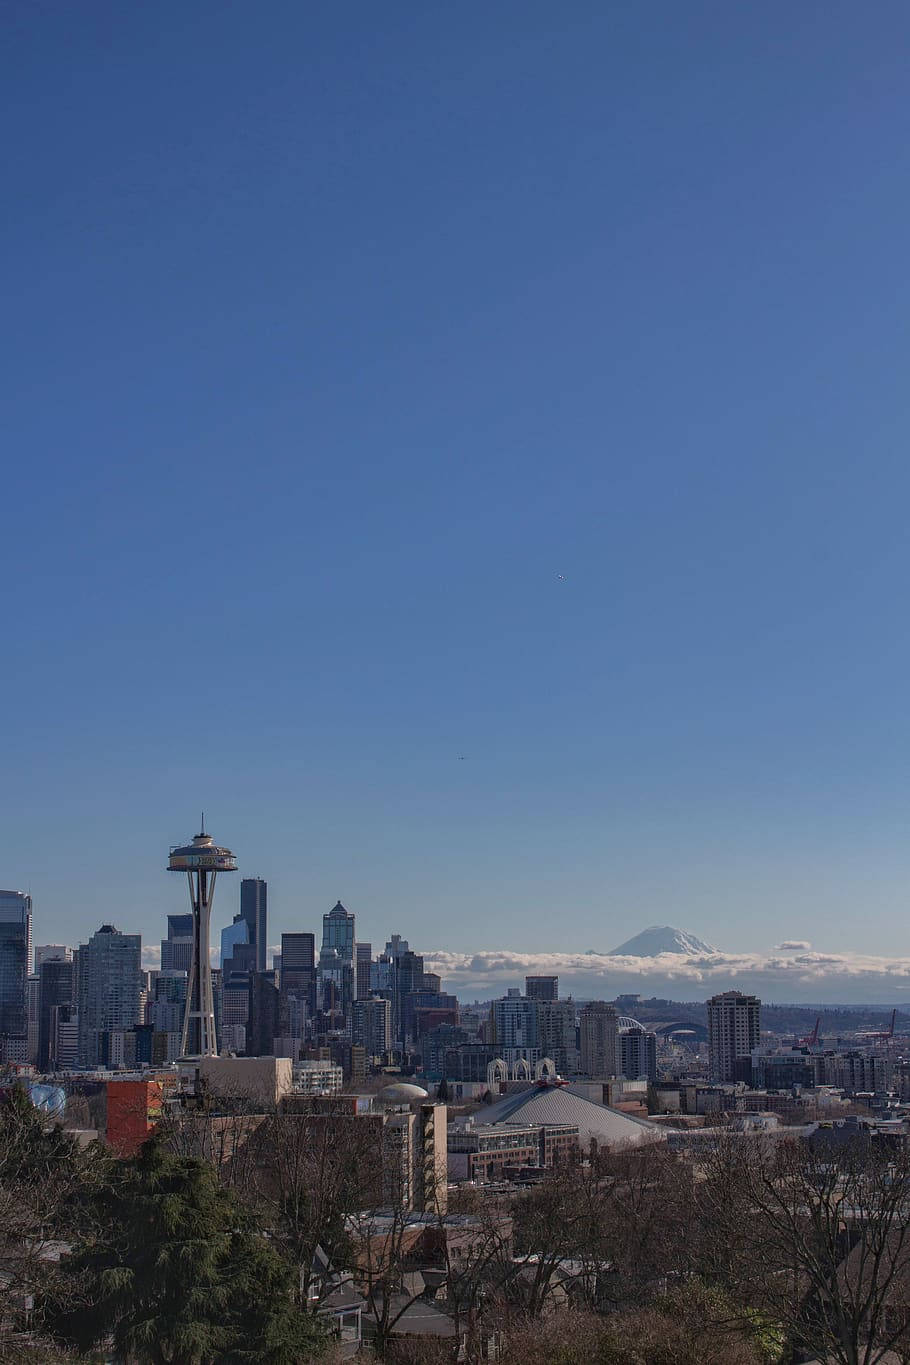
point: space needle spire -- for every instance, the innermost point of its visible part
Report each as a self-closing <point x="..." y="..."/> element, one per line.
<point x="201" y="860"/>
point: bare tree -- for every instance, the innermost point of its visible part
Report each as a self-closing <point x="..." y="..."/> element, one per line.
<point x="44" y="1176"/>
<point x="814" y="1234"/>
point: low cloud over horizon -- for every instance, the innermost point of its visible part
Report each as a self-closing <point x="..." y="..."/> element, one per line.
<point x="790" y="973"/>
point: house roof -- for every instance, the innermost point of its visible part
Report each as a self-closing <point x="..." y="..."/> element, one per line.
<point x="419" y="1318"/>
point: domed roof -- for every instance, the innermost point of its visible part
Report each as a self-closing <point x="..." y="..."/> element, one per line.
<point x="402" y="1093"/>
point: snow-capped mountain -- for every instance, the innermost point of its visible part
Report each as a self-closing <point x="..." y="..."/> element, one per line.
<point x="662" y="939"/>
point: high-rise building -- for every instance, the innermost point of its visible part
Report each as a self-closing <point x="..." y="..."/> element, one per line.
<point x="542" y="987"/>
<point x="56" y="986"/>
<point x="597" y="1039"/>
<point x="372" y="1025"/>
<point x="734" y="1027"/>
<point x="557" y="1034"/>
<point x="515" y="1031"/>
<point x="177" y="948"/>
<point x="297" y="984"/>
<point x="336" y="965"/>
<point x="638" y="1054"/>
<point x="108" y="989"/>
<point x="338" y="931"/>
<point x="254" y="909"/>
<point x="262" y="1021"/>
<point x="363" y="961"/>
<point x="51" y="952"/>
<point x="33" y="1006"/>
<point x="233" y="936"/>
<point x="15" y="966"/>
<point x="238" y="962"/>
<point x="298" y="964"/>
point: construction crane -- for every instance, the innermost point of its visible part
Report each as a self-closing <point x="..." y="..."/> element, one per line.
<point x="887" y="1034"/>
<point x="810" y="1039"/>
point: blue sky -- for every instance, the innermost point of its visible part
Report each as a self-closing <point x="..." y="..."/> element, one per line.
<point x="465" y="450"/>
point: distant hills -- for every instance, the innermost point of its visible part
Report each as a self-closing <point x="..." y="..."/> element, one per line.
<point x="662" y="939"/>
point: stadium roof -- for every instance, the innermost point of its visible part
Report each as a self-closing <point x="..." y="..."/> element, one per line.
<point x="557" y="1104"/>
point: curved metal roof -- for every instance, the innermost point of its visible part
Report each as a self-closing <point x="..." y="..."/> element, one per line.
<point x="557" y="1104"/>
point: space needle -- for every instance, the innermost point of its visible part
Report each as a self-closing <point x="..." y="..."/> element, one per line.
<point x="201" y="860"/>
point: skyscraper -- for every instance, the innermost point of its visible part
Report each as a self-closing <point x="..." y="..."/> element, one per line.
<point x="363" y="961"/>
<point x="56" y="986"/>
<point x="254" y="909"/>
<point x="556" y="1031"/>
<point x="177" y="948"/>
<point x="638" y="1054"/>
<point x="336" y="963"/>
<point x="262" y="1020"/>
<point x="298" y="965"/>
<point x="233" y="936"/>
<point x="338" y="931"/>
<point x="597" y="1038"/>
<point x="371" y="1028"/>
<point x="108" y="987"/>
<point x="297" y="984"/>
<point x="734" y="1026"/>
<point x="542" y="987"/>
<point x="15" y="961"/>
<point x="515" y="1031"/>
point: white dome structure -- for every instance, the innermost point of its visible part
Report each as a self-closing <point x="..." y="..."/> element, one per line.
<point x="402" y="1092"/>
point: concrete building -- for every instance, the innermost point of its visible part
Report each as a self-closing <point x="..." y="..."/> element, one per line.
<point x="734" y="1027"/>
<point x="859" y="1072"/>
<point x="261" y="1080"/>
<point x="51" y="952"/>
<point x="108" y="992"/>
<point x="494" y="1151"/>
<point x="598" y="1039"/>
<point x="317" y="1078"/>
<point x="363" y="961"/>
<point x="515" y="1027"/>
<point x="56" y="986"/>
<point x="637" y="1053"/>
<point x="177" y="948"/>
<point x="414" y="1158"/>
<point x="542" y="987"/>
<point x="372" y="1025"/>
<point x="263" y="1017"/>
<point x="557" y="1034"/>
<point x="297" y="979"/>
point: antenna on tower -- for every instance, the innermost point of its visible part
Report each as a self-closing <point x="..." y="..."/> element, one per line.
<point x="202" y="826"/>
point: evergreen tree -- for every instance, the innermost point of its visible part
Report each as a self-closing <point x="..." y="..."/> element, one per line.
<point x="176" y="1274"/>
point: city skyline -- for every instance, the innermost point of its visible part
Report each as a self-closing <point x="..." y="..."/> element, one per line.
<point x="791" y="972"/>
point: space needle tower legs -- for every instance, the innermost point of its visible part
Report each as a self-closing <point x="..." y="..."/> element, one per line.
<point x="201" y="860"/>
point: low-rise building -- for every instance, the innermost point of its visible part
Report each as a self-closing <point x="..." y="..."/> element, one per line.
<point x="482" y="1152"/>
<point x="318" y="1078"/>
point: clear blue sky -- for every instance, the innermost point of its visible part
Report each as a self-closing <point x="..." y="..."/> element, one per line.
<point x="385" y="384"/>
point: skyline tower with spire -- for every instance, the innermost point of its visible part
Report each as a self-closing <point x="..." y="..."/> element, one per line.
<point x="201" y="860"/>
